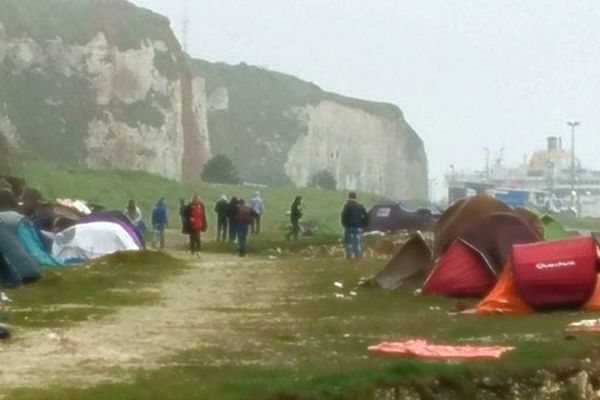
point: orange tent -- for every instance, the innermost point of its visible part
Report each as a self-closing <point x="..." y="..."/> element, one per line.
<point x="505" y="299"/>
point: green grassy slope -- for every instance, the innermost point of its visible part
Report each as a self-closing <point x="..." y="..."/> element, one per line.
<point x="113" y="189"/>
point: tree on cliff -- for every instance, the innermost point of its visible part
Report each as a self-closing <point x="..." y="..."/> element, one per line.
<point x="220" y="169"/>
<point x="324" y="179"/>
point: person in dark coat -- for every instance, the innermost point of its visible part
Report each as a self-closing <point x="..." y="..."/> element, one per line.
<point x="295" y="217"/>
<point x="354" y="219"/>
<point x="244" y="217"/>
<point x="222" y="208"/>
<point x="231" y="211"/>
<point x="184" y="214"/>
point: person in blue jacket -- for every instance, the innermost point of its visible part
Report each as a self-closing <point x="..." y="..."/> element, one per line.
<point x="159" y="223"/>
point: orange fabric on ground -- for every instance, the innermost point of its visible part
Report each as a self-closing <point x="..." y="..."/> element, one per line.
<point x="504" y="297"/>
<point x="421" y="348"/>
<point x="593" y="304"/>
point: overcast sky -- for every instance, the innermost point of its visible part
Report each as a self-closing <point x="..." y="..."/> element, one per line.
<point x="468" y="74"/>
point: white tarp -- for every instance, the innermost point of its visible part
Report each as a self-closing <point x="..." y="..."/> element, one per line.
<point x="91" y="240"/>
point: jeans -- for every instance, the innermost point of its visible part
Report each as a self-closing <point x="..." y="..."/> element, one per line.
<point x="242" y="236"/>
<point x="255" y="225"/>
<point x="353" y="243"/>
<point x="195" y="241"/>
<point x="158" y="238"/>
<point x="294" y="231"/>
<point x="222" y="229"/>
<point x="232" y="229"/>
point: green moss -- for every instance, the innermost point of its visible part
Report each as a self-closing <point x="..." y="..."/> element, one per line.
<point x="139" y="113"/>
<point x="49" y="110"/>
<point x="78" y="21"/>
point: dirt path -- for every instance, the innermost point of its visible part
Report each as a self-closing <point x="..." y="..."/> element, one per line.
<point x="113" y="348"/>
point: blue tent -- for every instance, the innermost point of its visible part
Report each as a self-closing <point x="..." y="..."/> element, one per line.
<point x="15" y="257"/>
<point x="30" y="240"/>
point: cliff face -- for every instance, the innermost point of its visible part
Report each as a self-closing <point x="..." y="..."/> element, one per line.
<point x="281" y="130"/>
<point x="104" y="84"/>
<point x="100" y="83"/>
<point x="363" y="151"/>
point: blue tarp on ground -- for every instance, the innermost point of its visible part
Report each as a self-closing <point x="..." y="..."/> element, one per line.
<point x="16" y="257"/>
<point x="30" y="240"/>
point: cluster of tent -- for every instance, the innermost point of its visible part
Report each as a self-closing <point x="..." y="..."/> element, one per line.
<point x="512" y="259"/>
<point x="57" y="233"/>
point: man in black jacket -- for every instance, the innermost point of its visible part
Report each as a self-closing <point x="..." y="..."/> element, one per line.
<point x="222" y="210"/>
<point x="354" y="219"/>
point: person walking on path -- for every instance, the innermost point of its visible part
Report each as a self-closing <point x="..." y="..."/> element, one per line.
<point x="221" y="208"/>
<point x="295" y="216"/>
<point x="244" y="217"/>
<point x="354" y="219"/>
<point x="257" y="204"/>
<point x="231" y="211"/>
<point x="197" y="219"/>
<point x="159" y="223"/>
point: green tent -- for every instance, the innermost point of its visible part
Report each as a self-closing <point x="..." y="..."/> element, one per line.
<point x="552" y="229"/>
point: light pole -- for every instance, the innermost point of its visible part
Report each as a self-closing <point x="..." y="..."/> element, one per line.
<point x="573" y="125"/>
<point x="487" y="164"/>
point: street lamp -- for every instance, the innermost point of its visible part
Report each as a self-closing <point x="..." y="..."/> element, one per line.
<point x="487" y="163"/>
<point x="573" y="125"/>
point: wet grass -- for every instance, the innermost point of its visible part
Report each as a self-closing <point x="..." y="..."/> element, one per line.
<point x="89" y="291"/>
<point x="293" y="334"/>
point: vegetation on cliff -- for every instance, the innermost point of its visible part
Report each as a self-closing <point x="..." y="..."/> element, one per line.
<point x="259" y="126"/>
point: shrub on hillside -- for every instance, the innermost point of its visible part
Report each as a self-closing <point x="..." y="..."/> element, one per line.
<point x="324" y="179"/>
<point x="220" y="169"/>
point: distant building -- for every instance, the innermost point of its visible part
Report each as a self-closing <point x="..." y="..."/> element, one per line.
<point x="544" y="181"/>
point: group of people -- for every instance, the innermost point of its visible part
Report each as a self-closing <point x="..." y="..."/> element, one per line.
<point x="236" y="218"/>
<point x="230" y="220"/>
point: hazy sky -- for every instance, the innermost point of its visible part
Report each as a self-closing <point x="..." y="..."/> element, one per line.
<point x="468" y="74"/>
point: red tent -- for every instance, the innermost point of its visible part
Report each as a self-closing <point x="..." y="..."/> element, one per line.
<point x="460" y="271"/>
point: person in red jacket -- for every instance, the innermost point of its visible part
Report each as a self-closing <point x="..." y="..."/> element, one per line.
<point x="197" y="223"/>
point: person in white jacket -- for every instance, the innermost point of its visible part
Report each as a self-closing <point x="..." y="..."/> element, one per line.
<point x="257" y="204"/>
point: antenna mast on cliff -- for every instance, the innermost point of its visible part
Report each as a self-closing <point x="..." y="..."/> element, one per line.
<point x="185" y="23"/>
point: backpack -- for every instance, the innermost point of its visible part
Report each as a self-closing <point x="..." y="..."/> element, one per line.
<point x="197" y="217"/>
<point x="244" y="215"/>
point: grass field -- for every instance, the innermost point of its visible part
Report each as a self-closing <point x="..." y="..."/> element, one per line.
<point x="287" y="335"/>
<point x="270" y="326"/>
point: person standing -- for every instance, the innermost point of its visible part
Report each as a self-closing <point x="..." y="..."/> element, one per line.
<point x="231" y="211"/>
<point x="221" y="208"/>
<point x="197" y="220"/>
<point x="354" y="219"/>
<point x="159" y="223"/>
<point x="295" y="217"/>
<point x="184" y="215"/>
<point x="133" y="213"/>
<point x="257" y="204"/>
<point x="244" y="217"/>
